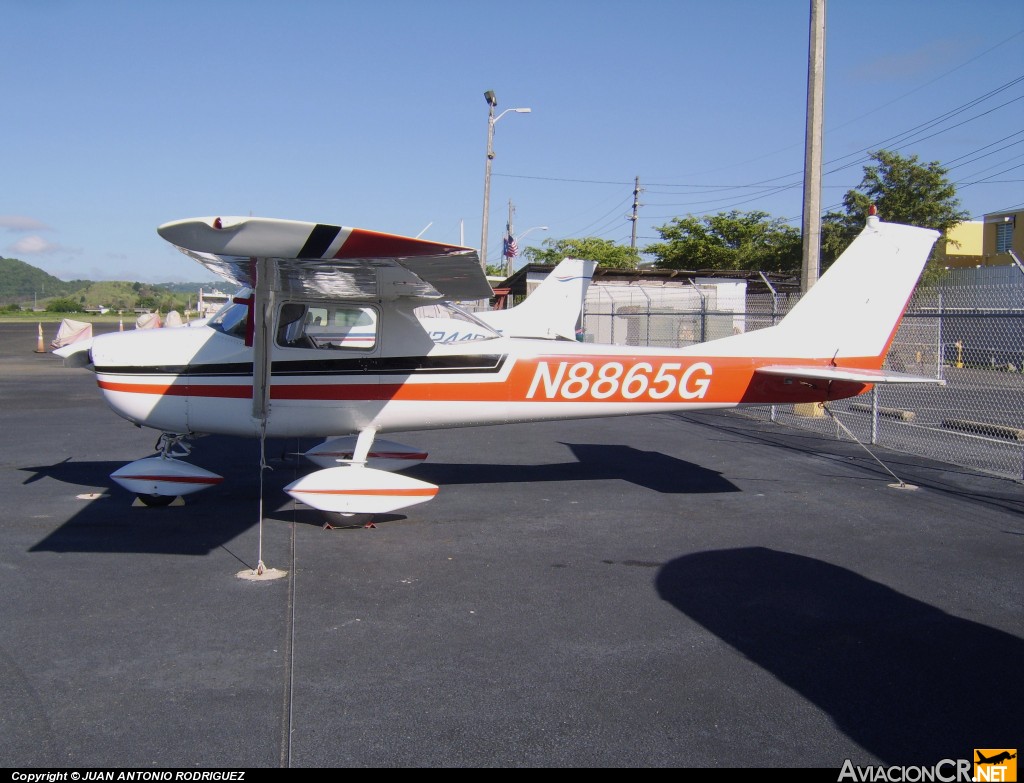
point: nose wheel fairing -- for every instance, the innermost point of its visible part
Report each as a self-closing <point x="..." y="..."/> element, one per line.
<point x="159" y="480"/>
<point x="154" y="478"/>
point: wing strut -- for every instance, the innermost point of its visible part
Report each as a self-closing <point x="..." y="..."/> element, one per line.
<point x="263" y="317"/>
<point x="263" y="323"/>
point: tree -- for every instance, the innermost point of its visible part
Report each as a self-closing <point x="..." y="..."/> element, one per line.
<point x="605" y="252"/>
<point x="62" y="306"/>
<point x="903" y="190"/>
<point x="728" y="240"/>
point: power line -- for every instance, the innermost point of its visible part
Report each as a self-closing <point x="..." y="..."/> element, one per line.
<point x="761" y="189"/>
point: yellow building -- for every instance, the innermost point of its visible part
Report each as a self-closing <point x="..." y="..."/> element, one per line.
<point x="963" y="245"/>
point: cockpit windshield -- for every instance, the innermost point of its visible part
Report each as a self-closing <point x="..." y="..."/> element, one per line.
<point x="233" y="317"/>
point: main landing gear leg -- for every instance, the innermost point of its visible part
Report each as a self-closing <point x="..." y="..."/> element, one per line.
<point x="364" y="442"/>
<point x="353" y="487"/>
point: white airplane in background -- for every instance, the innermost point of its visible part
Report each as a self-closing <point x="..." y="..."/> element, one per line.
<point x="258" y="370"/>
<point x="551" y="312"/>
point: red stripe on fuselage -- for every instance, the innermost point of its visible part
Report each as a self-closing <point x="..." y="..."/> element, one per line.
<point x="179" y="389"/>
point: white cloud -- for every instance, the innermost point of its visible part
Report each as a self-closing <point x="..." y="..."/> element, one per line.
<point x="911" y="64"/>
<point x="22" y="223"/>
<point x="34" y="244"/>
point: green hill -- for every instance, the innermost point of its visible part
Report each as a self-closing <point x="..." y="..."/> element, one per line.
<point x="28" y="286"/>
<point x="24" y="283"/>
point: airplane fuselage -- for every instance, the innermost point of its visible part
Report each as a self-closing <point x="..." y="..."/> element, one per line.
<point x="337" y="337"/>
<point x="203" y="383"/>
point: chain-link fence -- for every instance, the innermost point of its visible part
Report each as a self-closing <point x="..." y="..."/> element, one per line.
<point x="970" y="335"/>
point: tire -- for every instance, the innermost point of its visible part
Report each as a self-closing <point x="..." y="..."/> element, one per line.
<point x="156" y="501"/>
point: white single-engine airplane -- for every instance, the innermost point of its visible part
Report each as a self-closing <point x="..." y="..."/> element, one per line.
<point x="277" y="363"/>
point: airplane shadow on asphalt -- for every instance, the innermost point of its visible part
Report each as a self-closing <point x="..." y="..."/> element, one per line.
<point x="906" y="681"/>
<point x="594" y="462"/>
<point x="216" y="516"/>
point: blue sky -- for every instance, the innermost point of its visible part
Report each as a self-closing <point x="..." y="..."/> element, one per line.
<point x="120" y="116"/>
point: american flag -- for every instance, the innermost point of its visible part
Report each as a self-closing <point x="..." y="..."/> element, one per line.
<point x="511" y="247"/>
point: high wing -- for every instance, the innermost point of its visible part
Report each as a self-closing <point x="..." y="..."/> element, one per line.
<point x="290" y="258"/>
<point x="327" y="260"/>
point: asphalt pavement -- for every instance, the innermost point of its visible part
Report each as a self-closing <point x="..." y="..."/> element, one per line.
<point x="698" y="590"/>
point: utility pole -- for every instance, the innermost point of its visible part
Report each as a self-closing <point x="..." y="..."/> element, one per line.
<point x="812" y="148"/>
<point x="492" y="101"/>
<point x="636" y="206"/>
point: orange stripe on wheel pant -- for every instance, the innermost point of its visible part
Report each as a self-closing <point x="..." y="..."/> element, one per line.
<point x="384" y="492"/>
<point x="374" y="454"/>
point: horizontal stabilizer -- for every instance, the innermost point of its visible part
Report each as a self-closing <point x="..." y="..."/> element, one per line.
<point x="851" y="374"/>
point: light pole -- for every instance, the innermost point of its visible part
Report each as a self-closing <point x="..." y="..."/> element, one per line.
<point x="492" y="101"/>
<point x="532" y="228"/>
<point x="511" y="261"/>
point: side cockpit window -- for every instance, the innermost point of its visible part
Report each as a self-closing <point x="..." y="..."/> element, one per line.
<point x="328" y="326"/>
<point x="291" y="326"/>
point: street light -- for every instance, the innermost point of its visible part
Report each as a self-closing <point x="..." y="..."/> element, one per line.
<point x="532" y="228"/>
<point x="492" y="101"/>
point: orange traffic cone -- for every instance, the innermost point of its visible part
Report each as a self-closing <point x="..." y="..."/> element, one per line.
<point x="40" y="348"/>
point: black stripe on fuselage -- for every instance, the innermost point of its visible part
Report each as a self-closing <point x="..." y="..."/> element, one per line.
<point x="319" y="240"/>
<point x="195" y="370"/>
<point x="367" y="365"/>
<point x="391" y="365"/>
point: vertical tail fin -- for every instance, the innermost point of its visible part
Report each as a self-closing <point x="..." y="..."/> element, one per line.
<point x="553" y="309"/>
<point x="854" y="309"/>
